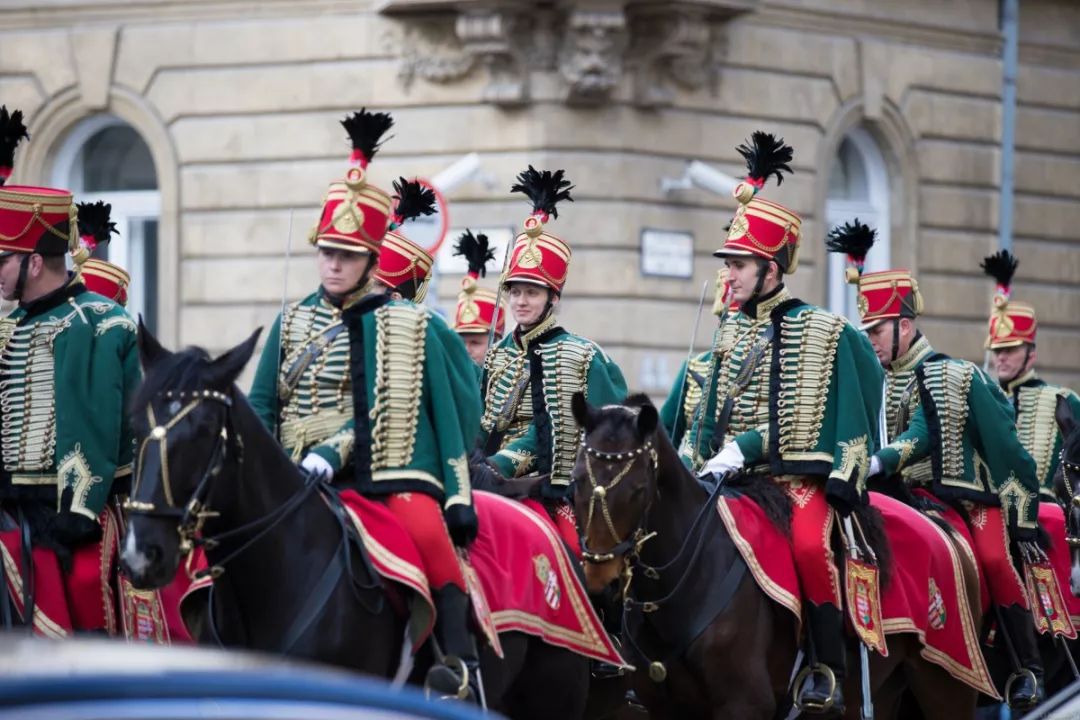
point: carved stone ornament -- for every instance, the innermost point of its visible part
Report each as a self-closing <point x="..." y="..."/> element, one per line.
<point x="670" y="46"/>
<point x="591" y="58"/>
<point x="587" y="45"/>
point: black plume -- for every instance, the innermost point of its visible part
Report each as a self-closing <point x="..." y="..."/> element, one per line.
<point x="366" y="130"/>
<point x="1001" y="266"/>
<point x="765" y="156"/>
<point x="94" y="221"/>
<point x="545" y="189"/>
<point x="12" y="130"/>
<point x="853" y="239"/>
<point x="413" y="199"/>
<point x="476" y="251"/>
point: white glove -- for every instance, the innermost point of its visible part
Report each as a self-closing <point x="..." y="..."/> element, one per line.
<point x="729" y="459"/>
<point x="875" y="466"/>
<point x="317" y="465"/>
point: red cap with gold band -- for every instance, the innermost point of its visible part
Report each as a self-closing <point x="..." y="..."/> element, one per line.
<point x="36" y="220"/>
<point x="104" y="278"/>
<point x="12" y="132"/>
<point x="476" y="306"/>
<point x="404" y="265"/>
<point x="99" y="276"/>
<point x="538" y="257"/>
<point x="355" y="213"/>
<point x="1011" y="323"/>
<point x="762" y="228"/>
<point x="883" y="295"/>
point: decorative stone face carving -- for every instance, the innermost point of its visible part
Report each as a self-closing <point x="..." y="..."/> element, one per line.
<point x="591" y="57"/>
<point x="586" y="47"/>
<point x="669" y="46"/>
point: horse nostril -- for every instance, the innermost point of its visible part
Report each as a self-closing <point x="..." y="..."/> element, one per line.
<point x="154" y="553"/>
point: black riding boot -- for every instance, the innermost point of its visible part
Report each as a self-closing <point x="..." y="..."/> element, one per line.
<point x="1025" y="688"/>
<point x="819" y="687"/>
<point x="458" y="676"/>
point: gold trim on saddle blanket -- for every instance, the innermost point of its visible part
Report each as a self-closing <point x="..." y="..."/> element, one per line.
<point x="590" y="642"/>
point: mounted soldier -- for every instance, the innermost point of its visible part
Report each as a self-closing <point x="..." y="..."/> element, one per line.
<point x="784" y="400"/>
<point x="68" y="366"/>
<point x="1011" y="341"/>
<point x="530" y="376"/>
<point x="476" y="308"/>
<point x="684" y="398"/>
<point x="377" y="396"/>
<point x="947" y="429"/>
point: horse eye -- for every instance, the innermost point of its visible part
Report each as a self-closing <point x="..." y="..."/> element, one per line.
<point x="174" y="407"/>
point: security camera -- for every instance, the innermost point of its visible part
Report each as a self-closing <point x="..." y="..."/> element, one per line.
<point x="461" y="171"/>
<point x="703" y="176"/>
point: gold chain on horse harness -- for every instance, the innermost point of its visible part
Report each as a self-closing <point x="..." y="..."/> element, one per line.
<point x="627" y="548"/>
<point x="194" y="514"/>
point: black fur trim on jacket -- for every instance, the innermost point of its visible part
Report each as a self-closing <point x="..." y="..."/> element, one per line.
<point x="353" y="317"/>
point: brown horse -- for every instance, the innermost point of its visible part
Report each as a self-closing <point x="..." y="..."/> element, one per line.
<point x="706" y="641"/>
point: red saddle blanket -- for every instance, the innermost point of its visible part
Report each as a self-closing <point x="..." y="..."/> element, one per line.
<point x="926" y="595"/>
<point x="93" y="596"/>
<point x="1052" y="520"/>
<point x="520" y="575"/>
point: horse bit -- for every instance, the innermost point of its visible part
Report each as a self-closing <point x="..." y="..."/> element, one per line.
<point x="192" y="516"/>
<point x="629" y="547"/>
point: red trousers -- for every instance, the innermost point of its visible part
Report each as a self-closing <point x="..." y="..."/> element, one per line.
<point x="422" y="518"/>
<point x="812" y="522"/>
<point x="991" y="538"/>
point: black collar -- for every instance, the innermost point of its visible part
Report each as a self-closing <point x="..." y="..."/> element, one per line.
<point x="53" y="299"/>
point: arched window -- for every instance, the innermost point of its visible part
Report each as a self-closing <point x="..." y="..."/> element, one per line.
<point x="104" y="158"/>
<point x="858" y="188"/>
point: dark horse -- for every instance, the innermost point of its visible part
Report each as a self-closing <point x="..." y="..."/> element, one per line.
<point x="706" y="641"/>
<point x="291" y="582"/>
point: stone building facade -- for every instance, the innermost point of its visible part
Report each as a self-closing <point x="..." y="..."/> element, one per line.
<point x="214" y="125"/>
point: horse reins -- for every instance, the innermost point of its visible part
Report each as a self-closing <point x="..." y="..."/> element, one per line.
<point x="631" y="545"/>
<point x="1072" y="539"/>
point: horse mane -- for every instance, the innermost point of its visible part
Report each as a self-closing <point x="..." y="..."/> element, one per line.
<point x="768" y="495"/>
<point x="182" y="371"/>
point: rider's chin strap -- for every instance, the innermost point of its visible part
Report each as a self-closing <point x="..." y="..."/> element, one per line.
<point x="751" y="304"/>
<point x="895" y="340"/>
<point x="24" y="269"/>
<point x="1023" y="366"/>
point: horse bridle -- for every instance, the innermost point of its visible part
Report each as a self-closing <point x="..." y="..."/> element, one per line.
<point x="1066" y="467"/>
<point x="625" y="548"/>
<point x="191" y="517"/>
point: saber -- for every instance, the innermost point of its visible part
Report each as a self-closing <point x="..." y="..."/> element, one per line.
<point x="864" y="655"/>
<point x="690" y="354"/>
<point x="498" y="294"/>
<point x="281" y="314"/>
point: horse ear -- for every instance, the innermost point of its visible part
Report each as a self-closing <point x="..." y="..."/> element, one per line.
<point x="228" y="367"/>
<point x="1064" y="415"/>
<point x="647" y="420"/>
<point x="150" y="350"/>
<point x="583" y="412"/>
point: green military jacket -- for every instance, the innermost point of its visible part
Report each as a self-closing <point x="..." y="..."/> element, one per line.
<point x="802" y="407"/>
<point x="901" y="400"/>
<point x="1034" y="401"/>
<point x="964" y="424"/>
<point x="68" y="369"/>
<point x="528" y="425"/>
<point x="411" y="427"/>
<point x="682" y="401"/>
